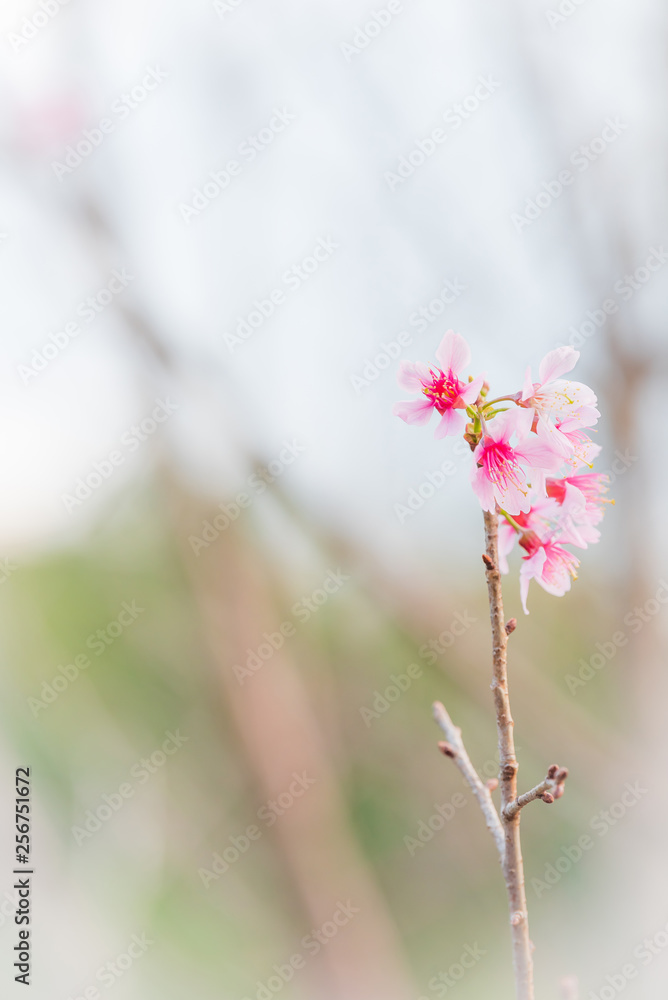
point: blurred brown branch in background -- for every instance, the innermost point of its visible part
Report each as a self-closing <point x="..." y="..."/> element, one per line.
<point x="279" y="736"/>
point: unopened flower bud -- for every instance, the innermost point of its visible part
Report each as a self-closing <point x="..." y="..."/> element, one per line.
<point x="471" y="437"/>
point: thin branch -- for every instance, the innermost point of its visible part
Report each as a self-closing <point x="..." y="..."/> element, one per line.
<point x="513" y="867"/>
<point x="551" y="788"/>
<point x="455" y="749"/>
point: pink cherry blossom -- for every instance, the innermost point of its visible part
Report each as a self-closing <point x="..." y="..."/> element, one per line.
<point x="551" y="566"/>
<point x="440" y="388"/>
<point x="505" y="472"/>
<point x="579" y="449"/>
<point x="592" y="485"/>
<point x="575" y="521"/>
<point x="549" y="519"/>
<point x="553" y="396"/>
<point x="528" y="448"/>
<point x="537" y="523"/>
<point x="569" y="514"/>
<point x="582" y="500"/>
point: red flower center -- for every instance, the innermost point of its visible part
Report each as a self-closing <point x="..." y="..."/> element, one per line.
<point x="501" y="466"/>
<point x="556" y="488"/>
<point x="444" y="390"/>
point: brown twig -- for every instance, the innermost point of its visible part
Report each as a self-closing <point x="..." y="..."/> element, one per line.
<point x="551" y="788"/>
<point x="456" y="750"/>
<point x="513" y="868"/>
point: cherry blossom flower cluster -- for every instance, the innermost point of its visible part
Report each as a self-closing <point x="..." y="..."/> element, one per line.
<point x="528" y="450"/>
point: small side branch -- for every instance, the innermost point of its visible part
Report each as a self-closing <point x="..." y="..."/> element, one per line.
<point x="548" y="790"/>
<point x="455" y="749"/>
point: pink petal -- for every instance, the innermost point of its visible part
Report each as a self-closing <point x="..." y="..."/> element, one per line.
<point x="413" y="375"/>
<point x="570" y="424"/>
<point x="514" y="499"/>
<point x="516" y="420"/>
<point x="531" y="569"/>
<point x="453" y="353"/>
<point x="587" y="416"/>
<point x="556" y="438"/>
<point x="570" y="398"/>
<point x="502" y="427"/>
<point x="574" y="504"/>
<point x="572" y="534"/>
<point x="558" y="587"/>
<point x="528" y="388"/>
<point x="589" y="534"/>
<point x="414" y="411"/>
<point x="539" y="453"/>
<point x="452" y="422"/>
<point x="538" y="483"/>
<point x="557" y="363"/>
<point x="584" y="454"/>
<point x="483" y="489"/>
<point x="507" y="537"/>
<point x="521" y="421"/>
<point x="472" y="390"/>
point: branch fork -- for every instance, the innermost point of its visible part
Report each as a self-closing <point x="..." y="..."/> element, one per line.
<point x="550" y="789"/>
<point x="504" y="826"/>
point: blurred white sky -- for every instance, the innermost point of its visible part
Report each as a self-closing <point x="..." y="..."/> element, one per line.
<point x="321" y="178"/>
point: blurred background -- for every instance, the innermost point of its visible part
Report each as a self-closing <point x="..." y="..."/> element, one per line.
<point x="232" y="583"/>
